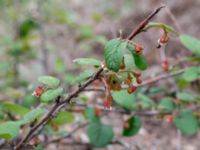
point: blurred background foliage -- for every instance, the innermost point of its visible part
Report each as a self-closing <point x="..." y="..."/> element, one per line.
<point x="43" y="37"/>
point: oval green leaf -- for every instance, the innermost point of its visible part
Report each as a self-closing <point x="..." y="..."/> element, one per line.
<point x="49" y="81"/>
<point x="9" y="130"/>
<point x="145" y="101"/>
<point x="99" y="134"/>
<point x="114" y="51"/>
<point x="166" y="104"/>
<point x="129" y="61"/>
<point x="190" y="43"/>
<point x="186" y="122"/>
<point x="15" y="108"/>
<point x="186" y="97"/>
<point x="140" y="61"/>
<point x="32" y="115"/>
<point x="51" y="95"/>
<point x="192" y="74"/>
<point x="84" y="76"/>
<point x="124" y="99"/>
<point x="63" y="118"/>
<point x="88" y="62"/>
<point x="90" y="113"/>
<point x="134" y="125"/>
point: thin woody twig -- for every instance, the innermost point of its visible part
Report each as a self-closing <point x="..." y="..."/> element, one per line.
<point x="162" y="77"/>
<point x="144" y="23"/>
<point x="149" y="81"/>
<point x="81" y="108"/>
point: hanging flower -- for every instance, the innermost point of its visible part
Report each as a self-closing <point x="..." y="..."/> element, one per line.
<point x="131" y="89"/>
<point x="108" y="102"/>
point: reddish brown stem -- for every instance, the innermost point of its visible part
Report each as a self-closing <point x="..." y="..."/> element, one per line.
<point x="149" y="81"/>
<point x="144" y="23"/>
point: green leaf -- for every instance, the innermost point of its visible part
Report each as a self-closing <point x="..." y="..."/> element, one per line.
<point x="140" y="61"/>
<point x="184" y="96"/>
<point x="90" y="113"/>
<point x="129" y="61"/>
<point x="182" y="84"/>
<point x="84" y="75"/>
<point x="114" y="50"/>
<point x="88" y="61"/>
<point x="99" y="134"/>
<point x="166" y="104"/>
<point x="145" y="101"/>
<point x="134" y="125"/>
<point x="161" y="25"/>
<point x="190" y="43"/>
<point x="9" y="130"/>
<point x="49" y="81"/>
<point x="51" y="95"/>
<point x="48" y="130"/>
<point x="32" y="115"/>
<point x="192" y="74"/>
<point x="29" y="100"/>
<point x="63" y="118"/>
<point x="156" y="90"/>
<point x="124" y="99"/>
<point x="131" y="48"/>
<point x="186" y="122"/>
<point x="11" y="107"/>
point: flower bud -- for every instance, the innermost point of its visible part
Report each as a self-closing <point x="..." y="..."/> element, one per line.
<point x="107" y="103"/>
<point x="137" y="74"/>
<point x="138" y="80"/>
<point x="131" y="89"/>
<point x="169" y="119"/>
<point x="139" y="49"/>
<point x="165" y="65"/>
<point x="38" y="92"/>
<point x="163" y="40"/>
<point x="97" y="112"/>
<point x="126" y="124"/>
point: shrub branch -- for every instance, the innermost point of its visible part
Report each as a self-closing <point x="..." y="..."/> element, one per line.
<point x="60" y="104"/>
